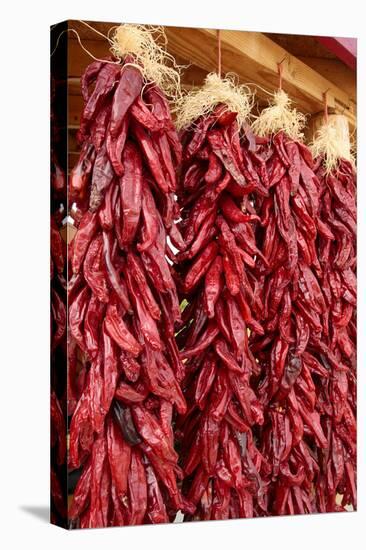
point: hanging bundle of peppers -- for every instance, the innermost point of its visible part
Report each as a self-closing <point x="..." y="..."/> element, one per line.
<point x="337" y="256"/>
<point x="222" y="465"/>
<point x="212" y="302"/>
<point x="124" y="366"/>
<point x="303" y="385"/>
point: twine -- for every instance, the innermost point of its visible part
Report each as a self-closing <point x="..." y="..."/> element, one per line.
<point x="219" y="52"/>
<point x="141" y="42"/>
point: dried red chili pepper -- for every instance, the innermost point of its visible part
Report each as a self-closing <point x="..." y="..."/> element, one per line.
<point x="298" y="339"/>
<point x="123" y="306"/>
<point x="214" y="324"/>
<point x="336" y="247"/>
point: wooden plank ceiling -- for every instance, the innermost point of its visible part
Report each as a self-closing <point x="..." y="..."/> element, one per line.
<point x="309" y="68"/>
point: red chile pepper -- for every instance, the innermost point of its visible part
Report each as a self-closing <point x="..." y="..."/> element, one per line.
<point x="102" y="178"/>
<point x="148" y="325"/>
<point x="77" y="313"/>
<point x="214" y="169"/>
<point x="228" y="359"/>
<point x="92" y="322"/>
<point x="204" y="236"/>
<point x="203" y="342"/>
<point x="225" y="117"/>
<point x="198" y="138"/>
<point x="107" y="78"/>
<point x="125" y="421"/>
<point x="291" y="372"/>
<point x="205" y="380"/>
<point x="140" y="111"/>
<point x="81" y="433"/>
<point x="84" y="235"/>
<point x="119" y="456"/>
<point x="81" y="494"/>
<point x="114" y="158"/>
<point x="130" y="192"/>
<point x="105" y="213"/>
<point x="99" y="126"/>
<point x="231" y="276"/>
<point x="98" y="458"/>
<point x="226" y="156"/>
<point x="118" y="331"/>
<point x="213" y="287"/>
<point x="150" y="228"/>
<point x="176" y="238"/>
<point x="164" y="147"/>
<point x="93" y="274"/>
<point x="136" y="269"/>
<point x="128" y="394"/>
<point x="156" y="510"/>
<point x="152" y="158"/>
<point x="210" y="443"/>
<point x="200" y="266"/>
<point x="294" y="168"/>
<point x="97" y="412"/>
<point x="89" y="76"/>
<point x="232" y="212"/>
<point x="110" y="369"/>
<point x="137" y="489"/>
<point x="113" y="276"/>
<point x="221" y="397"/>
<point x="151" y="432"/>
<point x="253" y="179"/>
<point x="128" y="89"/>
<point x="130" y="366"/>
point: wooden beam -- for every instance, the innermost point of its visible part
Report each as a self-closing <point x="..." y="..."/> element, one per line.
<point x="75" y="108"/>
<point x="344" y="48"/>
<point x="335" y="71"/>
<point x="88" y="33"/>
<point x="73" y="84"/>
<point x="254" y="57"/>
<point x="78" y="59"/>
<point x="300" y="45"/>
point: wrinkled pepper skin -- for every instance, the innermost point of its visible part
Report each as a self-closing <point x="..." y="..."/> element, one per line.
<point x="124" y="367"/>
<point x="217" y="270"/>
<point x="211" y="373"/>
<point x="308" y="356"/>
<point x="285" y="269"/>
